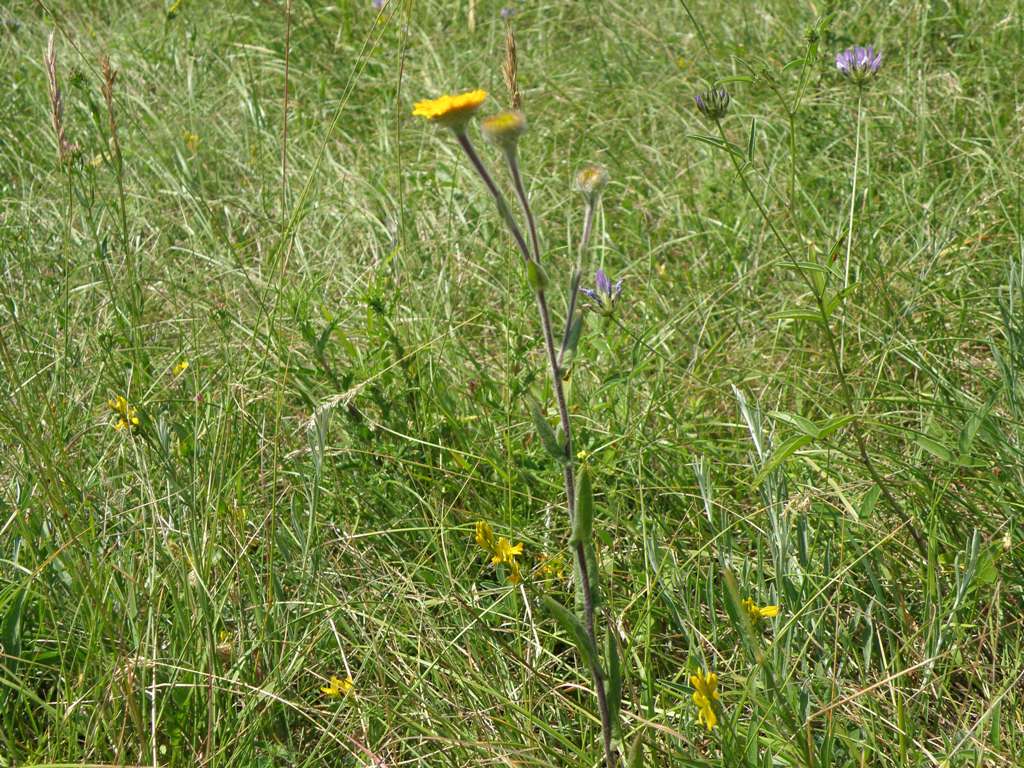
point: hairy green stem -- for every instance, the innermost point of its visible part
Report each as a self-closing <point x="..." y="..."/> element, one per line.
<point x="574" y="280"/>
<point x="568" y="472"/>
<point x="849" y="397"/>
<point x="849" y="226"/>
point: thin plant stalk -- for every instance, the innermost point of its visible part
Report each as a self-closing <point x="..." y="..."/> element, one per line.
<point x="849" y="397"/>
<point x="568" y="472"/>
<point x="577" y="274"/>
<point x="853" y="205"/>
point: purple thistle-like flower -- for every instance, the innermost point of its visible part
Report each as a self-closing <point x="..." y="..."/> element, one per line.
<point x="859" y="63"/>
<point x="713" y="104"/>
<point x="603" y="295"/>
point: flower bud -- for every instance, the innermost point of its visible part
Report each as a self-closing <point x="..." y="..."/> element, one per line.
<point x="591" y="180"/>
<point x="504" y="128"/>
<point x="713" y="104"/>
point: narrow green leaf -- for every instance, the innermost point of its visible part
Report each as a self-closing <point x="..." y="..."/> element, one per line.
<point x="751" y="139"/>
<point x="636" y="752"/>
<point x="544" y="430"/>
<point x="796" y="314"/>
<point x="583" y="525"/>
<point x="806" y="426"/>
<point x="780" y="455"/>
<point x="834" y="425"/>
<point x="934" y="447"/>
<point x="574" y="628"/>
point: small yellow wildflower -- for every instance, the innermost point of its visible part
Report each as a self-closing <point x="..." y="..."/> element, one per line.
<point x="484" y="536"/>
<point x="180" y="368"/>
<point x="552" y="567"/>
<point x="338" y="687"/>
<point x="705" y="694"/>
<point x="757" y="613"/>
<point x="450" y="111"/>
<point x="191" y="141"/>
<point x="506" y="552"/>
<point x="127" y="416"/>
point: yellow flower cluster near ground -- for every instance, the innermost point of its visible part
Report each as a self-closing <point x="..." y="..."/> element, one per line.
<point x="757" y="613"/>
<point x="502" y="551"/>
<point x="338" y="687"/>
<point x="705" y="694"/>
<point x="127" y="417"/>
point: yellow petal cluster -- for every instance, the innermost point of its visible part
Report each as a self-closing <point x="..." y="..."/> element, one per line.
<point x="757" y="612"/>
<point x="705" y="694"/>
<point x="502" y="551"/>
<point x="338" y="687"/>
<point x="127" y="418"/>
<point x="452" y="111"/>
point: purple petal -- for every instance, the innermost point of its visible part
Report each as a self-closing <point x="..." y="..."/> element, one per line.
<point x="617" y="289"/>
<point x="604" y="285"/>
<point x="590" y="294"/>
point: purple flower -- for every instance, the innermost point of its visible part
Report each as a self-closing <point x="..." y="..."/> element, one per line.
<point x="713" y="104"/>
<point x="603" y="295"/>
<point x="859" y="63"/>
<point x="508" y="12"/>
<point x="378" y="4"/>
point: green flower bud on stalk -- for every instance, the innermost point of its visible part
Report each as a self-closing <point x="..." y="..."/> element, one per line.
<point x="504" y="129"/>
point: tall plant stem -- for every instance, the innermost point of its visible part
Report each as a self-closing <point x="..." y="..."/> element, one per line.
<point x="849" y="396"/>
<point x="574" y="279"/>
<point x="853" y="191"/>
<point x="568" y="472"/>
<point x="849" y="226"/>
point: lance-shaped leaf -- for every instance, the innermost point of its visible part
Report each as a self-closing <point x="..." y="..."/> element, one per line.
<point x="544" y="430"/>
<point x="574" y="628"/>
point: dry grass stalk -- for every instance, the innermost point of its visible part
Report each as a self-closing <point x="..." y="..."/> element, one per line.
<point x="510" y="69"/>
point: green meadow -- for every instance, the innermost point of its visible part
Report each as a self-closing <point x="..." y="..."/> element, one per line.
<point x="274" y="386"/>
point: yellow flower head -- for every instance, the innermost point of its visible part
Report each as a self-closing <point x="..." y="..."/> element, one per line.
<point x="484" y="536"/>
<point x="757" y="613"/>
<point x="705" y="694"/>
<point x="127" y="418"/>
<point x="191" y="141"/>
<point x="451" y="111"/>
<point x="180" y="368"/>
<point x="338" y="687"/>
<point x="504" y="128"/>
<point x="506" y="552"/>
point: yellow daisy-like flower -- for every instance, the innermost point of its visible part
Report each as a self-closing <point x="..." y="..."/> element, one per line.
<point x="451" y="111"/>
<point x="338" y="687"/>
<point x="180" y="368"/>
<point x="506" y="552"/>
<point x="127" y="416"/>
<point x="757" y="613"/>
<point x="705" y="694"/>
<point x="484" y="536"/>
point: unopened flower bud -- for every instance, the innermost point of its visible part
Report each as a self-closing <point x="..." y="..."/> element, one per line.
<point x="504" y="128"/>
<point x="713" y="104"/>
<point x="591" y="181"/>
